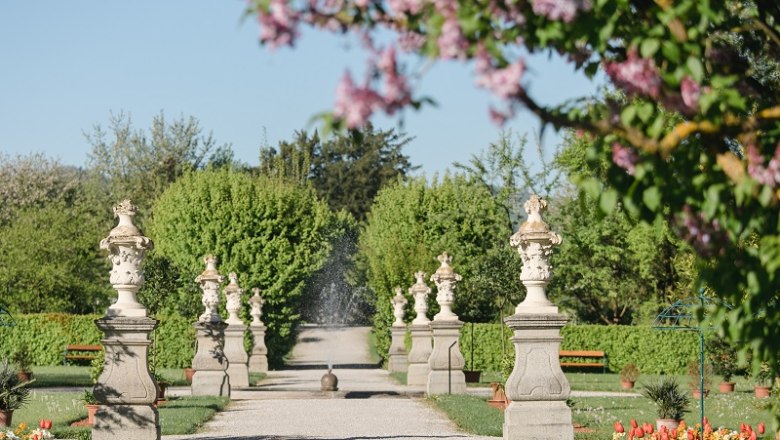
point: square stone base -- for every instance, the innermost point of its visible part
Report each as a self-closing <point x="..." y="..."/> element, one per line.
<point x="417" y="374"/>
<point x="397" y="363"/>
<point x="210" y="383"/>
<point x="538" y="420"/>
<point x="126" y="422"/>
<point x="258" y="363"/>
<point x="439" y="382"/>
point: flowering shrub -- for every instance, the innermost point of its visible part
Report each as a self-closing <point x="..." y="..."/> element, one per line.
<point x="23" y="432"/>
<point x="683" y="432"/>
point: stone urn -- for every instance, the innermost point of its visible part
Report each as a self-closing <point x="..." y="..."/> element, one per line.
<point x="329" y="382"/>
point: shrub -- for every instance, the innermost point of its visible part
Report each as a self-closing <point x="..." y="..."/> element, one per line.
<point x="671" y="402"/>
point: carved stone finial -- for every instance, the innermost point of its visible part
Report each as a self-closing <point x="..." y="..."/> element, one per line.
<point x="126" y="248"/>
<point x="420" y="292"/>
<point x="534" y="241"/>
<point x="256" y="301"/>
<point x="398" y="302"/>
<point x="446" y="280"/>
<point x="209" y="282"/>
<point x="233" y="296"/>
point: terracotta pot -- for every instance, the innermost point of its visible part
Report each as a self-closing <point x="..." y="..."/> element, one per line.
<point x="24" y="376"/>
<point x="626" y="384"/>
<point x="499" y="399"/>
<point x="499" y="404"/>
<point x="697" y="393"/>
<point x="726" y="387"/>
<point x="161" y="386"/>
<point x="761" y="392"/>
<point x="188" y="373"/>
<point x="5" y="417"/>
<point x="91" y="410"/>
<point x="669" y="423"/>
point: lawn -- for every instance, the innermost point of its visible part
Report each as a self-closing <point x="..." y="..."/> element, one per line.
<point x="78" y="376"/>
<point x="178" y="416"/>
<point x="599" y="414"/>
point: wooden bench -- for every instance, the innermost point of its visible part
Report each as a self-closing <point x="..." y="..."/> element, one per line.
<point x="75" y="352"/>
<point x="588" y="354"/>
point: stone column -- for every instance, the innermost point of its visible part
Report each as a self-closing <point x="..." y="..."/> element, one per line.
<point x="234" y="336"/>
<point x="209" y="363"/>
<point x="258" y="360"/>
<point x="420" y="330"/>
<point x="397" y="362"/>
<point x="537" y="387"/>
<point x="125" y="390"/>
<point x="446" y="361"/>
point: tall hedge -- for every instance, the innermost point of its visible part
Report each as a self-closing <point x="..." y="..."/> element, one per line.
<point x="46" y="335"/>
<point x="412" y="222"/>
<point x="273" y="234"/>
<point x="653" y="351"/>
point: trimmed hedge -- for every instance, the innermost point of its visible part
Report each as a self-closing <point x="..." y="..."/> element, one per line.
<point x="653" y="351"/>
<point x="47" y="334"/>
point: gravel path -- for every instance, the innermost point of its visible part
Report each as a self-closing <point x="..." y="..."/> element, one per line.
<point x="368" y="406"/>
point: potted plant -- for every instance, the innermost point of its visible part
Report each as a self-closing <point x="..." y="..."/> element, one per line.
<point x="23" y="360"/>
<point x="499" y="399"/>
<point x="694" y="372"/>
<point x="628" y="376"/>
<point x="91" y="404"/>
<point x="162" y="384"/>
<point x="14" y="393"/>
<point x="763" y="388"/>
<point x="723" y="359"/>
<point x="670" y="400"/>
<point x="188" y="373"/>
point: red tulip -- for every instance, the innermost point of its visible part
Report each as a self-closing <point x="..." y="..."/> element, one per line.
<point x="705" y="420"/>
<point x="619" y="427"/>
<point x="742" y="427"/>
<point x="633" y="423"/>
<point x="761" y="428"/>
<point x="753" y="436"/>
<point x="639" y="432"/>
<point x="664" y="435"/>
<point x="647" y="428"/>
<point x="691" y="436"/>
<point x="708" y="429"/>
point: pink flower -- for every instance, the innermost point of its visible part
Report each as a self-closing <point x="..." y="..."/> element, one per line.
<point x="362" y="4"/>
<point x="396" y="89"/>
<point x="451" y="42"/>
<point x="690" y="91"/>
<point x="625" y="158"/>
<point x="278" y="24"/>
<point x="498" y="117"/>
<point x="504" y="83"/>
<point x="565" y="10"/>
<point x="768" y="174"/>
<point x="410" y="41"/>
<point x="354" y="104"/>
<point x="406" y="6"/>
<point x="700" y="233"/>
<point x="635" y="75"/>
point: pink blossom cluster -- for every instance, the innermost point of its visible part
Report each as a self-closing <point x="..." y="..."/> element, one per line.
<point x="355" y="104"/>
<point x="278" y="25"/>
<point x="699" y="232"/>
<point x="406" y="6"/>
<point x="504" y="82"/>
<point x="624" y="157"/>
<point x="690" y="91"/>
<point x="555" y="10"/>
<point x="411" y="41"/>
<point x="635" y="75"/>
<point x="762" y="172"/>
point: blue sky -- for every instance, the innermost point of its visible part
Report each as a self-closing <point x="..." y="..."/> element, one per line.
<point x="67" y="65"/>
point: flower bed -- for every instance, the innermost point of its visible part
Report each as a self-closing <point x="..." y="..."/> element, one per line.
<point x="684" y="432"/>
<point x="23" y="432"/>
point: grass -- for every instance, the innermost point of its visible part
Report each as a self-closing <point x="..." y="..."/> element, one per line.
<point x="254" y="378"/>
<point x="473" y="415"/>
<point x="399" y="377"/>
<point x="182" y="415"/>
<point x="78" y="376"/>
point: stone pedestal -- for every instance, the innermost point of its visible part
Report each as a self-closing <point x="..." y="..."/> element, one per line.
<point x="446" y="362"/>
<point x="209" y="363"/>
<point x="397" y="361"/>
<point x="237" y="369"/>
<point x="537" y="386"/>
<point x="258" y="359"/>
<point x="417" y="373"/>
<point x="125" y="390"/>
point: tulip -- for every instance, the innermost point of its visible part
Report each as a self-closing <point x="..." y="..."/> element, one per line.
<point x="708" y="429"/>
<point x="761" y="428"/>
<point x="664" y="435"/>
<point x="633" y="423"/>
<point x="691" y="436"/>
<point x="619" y="427"/>
<point x="647" y="428"/>
<point x="753" y="436"/>
<point x="639" y="432"/>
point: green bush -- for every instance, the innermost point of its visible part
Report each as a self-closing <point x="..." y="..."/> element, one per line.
<point x="653" y="351"/>
<point x="47" y="334"/>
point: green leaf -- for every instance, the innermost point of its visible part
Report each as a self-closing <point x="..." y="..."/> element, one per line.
<point x="608" y="200"/>
<point x="627" y="115"/>
<point x="655" y="130"/>
<point x="670" y="51"/>
<point x="649" y="47"/>
<point x="652" y="198"/>
<point x="696" y="68"/>
<point x="645" y="111"/>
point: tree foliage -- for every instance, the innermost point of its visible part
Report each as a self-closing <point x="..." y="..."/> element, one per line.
<point x="412" y="222"/>
<point x="347" y="169"/>
<point x="275" y="235"/>
<point x="140" y="165"/>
